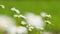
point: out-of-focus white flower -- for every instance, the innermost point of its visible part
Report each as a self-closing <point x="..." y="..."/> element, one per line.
<point x="48" y="22"/>
<point x="43" y="14"/>
<point x="13" y="9"/>
<point x="35" y="20"/>
<point x="11" y="30"/>
<point x="2" y="6"/>
<point x="22" y="30"/>
<point x="5" y="22"/>
<point x="17" y="30"/>
<point x="16" y="10"/>
<point x="20" y="16"/>
<point x="23" y="22"/>
<point x="46" y="33"/>
<point x="16" y="15"/>
<point x="48" y="16"/>
<point x="30" y="28"/>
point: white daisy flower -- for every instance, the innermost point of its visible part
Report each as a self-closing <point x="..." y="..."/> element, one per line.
<point x="22" y="30"/>
<point x="30" y="28"/>
<point x="48" y="16"/>
<point x="11" y="30"/>
<point x="17" y="30"/>
<point x="48" y="22"/>
<point x="43" y="14"/>
<point x="35" y="20"/>
<point x="13" y="9"/>
<point x="2" y="6"/>
<point x="5" y="22"/>
<point x="22" y="16"/>
<point x="16" y="10"/>
<point x="23" y="22"/>
<point x="16" y="15"/>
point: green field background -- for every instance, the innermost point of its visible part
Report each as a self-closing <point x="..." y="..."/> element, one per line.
<point x="35" y="6"/>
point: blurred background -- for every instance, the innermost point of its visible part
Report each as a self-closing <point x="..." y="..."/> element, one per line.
<point x="35" y="6"/>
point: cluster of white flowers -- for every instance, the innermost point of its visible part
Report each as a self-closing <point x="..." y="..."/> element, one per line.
<point x="32" y="21"/>
<point x="8" y="24"/>
<point x="43" y="14"/>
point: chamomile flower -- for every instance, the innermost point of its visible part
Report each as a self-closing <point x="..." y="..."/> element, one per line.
<point x="16" y="10"/>
<point x="22" y="30"/>
<point x="5" y="22"/>
<point x="35" y="20"/>
<point x="13" y="9"/>
<point x="20" y="16"/>
<point x="23" y="22"/>
<point x="16" y="16"/>
<point x="11" y="30"/>
<point x="48" y="16"/>
<point x="2" y="6"/>
<point x="17" y="30"/>
<point x="30" y="28"/>
<point x="48" y="22"/>
<point x="43" y="14"/>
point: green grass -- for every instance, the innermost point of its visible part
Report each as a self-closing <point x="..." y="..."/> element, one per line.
<point x="51" y="7"/>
